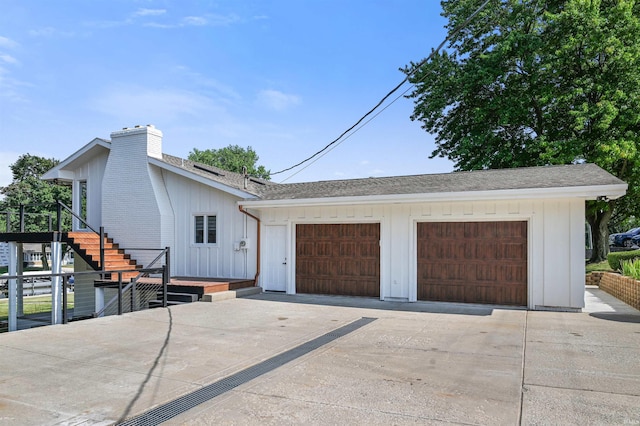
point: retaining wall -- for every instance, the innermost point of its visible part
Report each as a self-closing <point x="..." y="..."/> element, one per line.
<point x="624" y="288"/>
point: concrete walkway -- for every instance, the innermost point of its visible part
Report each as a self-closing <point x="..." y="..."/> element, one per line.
<point x="418" y="363"/>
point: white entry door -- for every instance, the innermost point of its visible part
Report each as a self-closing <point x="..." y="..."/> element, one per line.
<point x="275" y="267"/>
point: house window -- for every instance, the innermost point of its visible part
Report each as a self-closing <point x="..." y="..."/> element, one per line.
<point x="205" y="228"/>
<point x="82" y="208"/>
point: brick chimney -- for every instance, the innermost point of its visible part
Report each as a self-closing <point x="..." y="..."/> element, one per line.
<point x="135" y="206"/>
<point x="138" y="140"/>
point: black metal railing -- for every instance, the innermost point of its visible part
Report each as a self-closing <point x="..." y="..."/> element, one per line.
<point x="135" y="303"/>
<point x="61" y="211"/>
<point x="137" y="286"/>
<point x="17" y="220"/>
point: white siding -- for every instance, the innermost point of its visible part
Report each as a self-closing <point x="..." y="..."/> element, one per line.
<point x="221" y="260"/>
<point x="91" y="171"/>
<point x="555" y="235"/>
<point x="84" y="290"/>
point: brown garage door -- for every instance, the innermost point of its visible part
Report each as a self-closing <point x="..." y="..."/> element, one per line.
<point x="338" y="259"/>
<point x="473" y="262"/>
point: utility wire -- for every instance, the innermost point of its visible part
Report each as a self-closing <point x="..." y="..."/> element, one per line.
<point x="395" y="89"/>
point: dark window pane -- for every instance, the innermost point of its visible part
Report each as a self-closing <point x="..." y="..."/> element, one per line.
<point x="211" y="229"/>
<point x="83" y="204"/>
<point x="199" y="229"/>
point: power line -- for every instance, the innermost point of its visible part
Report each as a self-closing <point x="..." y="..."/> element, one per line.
<point x="415" y="68"/>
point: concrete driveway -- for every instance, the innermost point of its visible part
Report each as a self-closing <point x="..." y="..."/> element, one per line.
<point x="277" y="359"/>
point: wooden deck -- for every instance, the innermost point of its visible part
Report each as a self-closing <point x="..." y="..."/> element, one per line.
<point x="200" y="286"/>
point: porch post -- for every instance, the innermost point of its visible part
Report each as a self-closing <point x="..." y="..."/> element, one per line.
<point x="56" y="282"/>
<point x="13" y="286"/>
<point x="20" y="290"/>
<point x="99" y="294"/>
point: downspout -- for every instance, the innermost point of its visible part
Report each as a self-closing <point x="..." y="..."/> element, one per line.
<point x="255" y="280"/>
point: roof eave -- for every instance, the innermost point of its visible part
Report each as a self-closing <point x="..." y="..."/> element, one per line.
<point x="59" y="172"/>
<point x="201" y="179"/>
<point x="583" y="192"/>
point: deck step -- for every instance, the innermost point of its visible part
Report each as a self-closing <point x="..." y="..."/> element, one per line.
<point x="231" y="294"/>
<point x="180" y="297"/>
<point x="158" y="303"/>
<point x="173" y="299"/>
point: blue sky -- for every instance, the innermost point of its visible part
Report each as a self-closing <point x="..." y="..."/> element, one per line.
<point x="285" y="77"/>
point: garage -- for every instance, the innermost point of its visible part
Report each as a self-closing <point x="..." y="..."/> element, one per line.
<point x="340" y="259"/>
<point x="472" y="262"/>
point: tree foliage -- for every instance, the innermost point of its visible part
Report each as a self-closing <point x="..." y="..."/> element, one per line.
<point x="232" y="158"/>
<point x="538" y="82"/>
<point x="28" y="189"/>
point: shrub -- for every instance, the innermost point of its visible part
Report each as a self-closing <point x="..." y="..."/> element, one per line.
<point x="615" y="258"/>
<point x="631" y="268"/>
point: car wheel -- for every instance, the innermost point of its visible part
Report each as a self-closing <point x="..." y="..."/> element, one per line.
<point x="627" y="243"/>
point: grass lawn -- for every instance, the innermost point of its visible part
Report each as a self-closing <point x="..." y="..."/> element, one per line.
<point x="33" y="305"/>
<point x="598" y="267"/>
<point x="5" y="269"/>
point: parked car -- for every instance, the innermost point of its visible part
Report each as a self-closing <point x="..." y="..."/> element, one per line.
<point x="624" y="239"/>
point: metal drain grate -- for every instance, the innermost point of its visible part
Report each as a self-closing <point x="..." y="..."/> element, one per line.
<point x="180" y="405"/>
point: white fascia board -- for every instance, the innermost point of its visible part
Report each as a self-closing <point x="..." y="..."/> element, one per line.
<point x="584" y="192"/>
<point x="59" y="172"/>
<point x="200" y="179"/>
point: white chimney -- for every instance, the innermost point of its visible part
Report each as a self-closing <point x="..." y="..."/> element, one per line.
<point x="146" y="140"/>
<point x="135" y="208"/>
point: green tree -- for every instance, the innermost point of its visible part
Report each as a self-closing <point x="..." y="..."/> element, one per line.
<point x="232" y="158"/>
<point x="39" y="196"/>
<point x="537" y="82"/>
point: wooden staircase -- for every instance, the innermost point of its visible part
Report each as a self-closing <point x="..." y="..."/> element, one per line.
<point x="87" y="246"/>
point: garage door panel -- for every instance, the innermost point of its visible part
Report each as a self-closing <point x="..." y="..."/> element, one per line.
<point x="345" y="259"/>
<point x="474" y="262"/>
<point x="486" y="273"/>
<point x="347" y="249"/>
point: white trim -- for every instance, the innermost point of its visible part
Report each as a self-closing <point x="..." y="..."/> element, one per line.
<point x="584" y="192"/>
<point x="59" y="172"/>
<point x="192" y="237"/>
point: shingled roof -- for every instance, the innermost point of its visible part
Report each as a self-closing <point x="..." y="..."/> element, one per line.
<point x="234" y="180"/>
<point x="564" y="176"/>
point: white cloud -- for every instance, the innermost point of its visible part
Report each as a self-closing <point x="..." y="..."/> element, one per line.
<point x="49" y="32"/>
<point x="210" y="20"/>
<point x="8" y="59"/>
<point x="222" y="20"/>
<point x="158" y="25"/>
<point x="140" y="104"/>
<point x="276" y="100"/>
<point x="7" y="159"/>
<point x="364" y="162"/>
<point x="107" y="24"/>
<point x="149" y="12"/>
<point x="8" y="43"/>
<point x="208" y="85"/>
<point x="10" y="88"/>
<point x="195" y="21"/>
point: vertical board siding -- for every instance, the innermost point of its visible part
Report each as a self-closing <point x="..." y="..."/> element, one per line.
<point x="552" y="251"/>
<point x="220" y="260"/>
